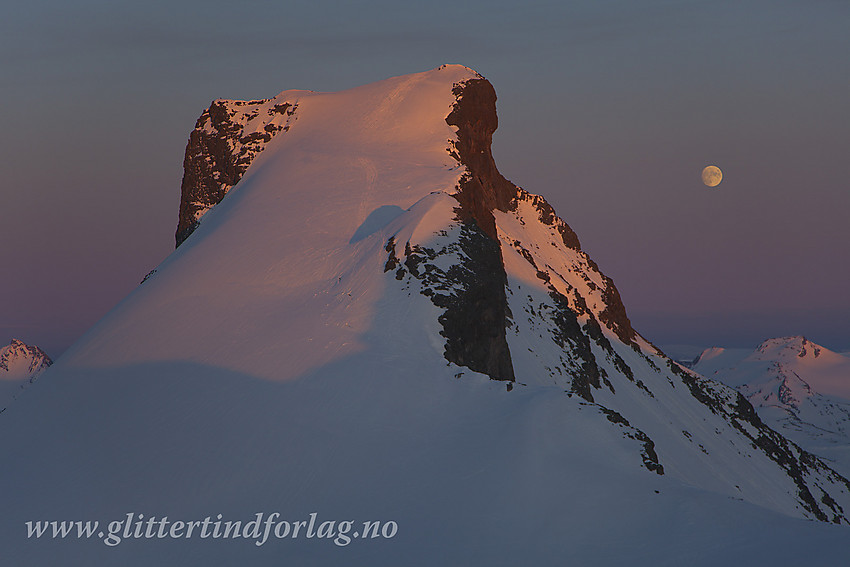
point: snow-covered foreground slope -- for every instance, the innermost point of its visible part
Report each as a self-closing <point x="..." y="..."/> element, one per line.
<point x="20" y="365"/>
<point x="373" y="324"/>
<point x="472" y="474"/>
<point x="798" y="387"/>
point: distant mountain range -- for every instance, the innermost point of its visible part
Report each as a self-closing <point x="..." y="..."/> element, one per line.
<point x="798" y="387"/>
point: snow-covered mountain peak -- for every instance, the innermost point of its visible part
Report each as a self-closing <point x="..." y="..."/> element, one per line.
<point x="787" y="348"/>
<point x="374" y="305"/>
<point x="20" y="365"/>
<point x="828" y="372"/>
<point x="389" y="117"/>
<point x="799" y="387"/>
<point x="710" y="353"/>
<point x="19" y="360"/>
<point x="379" y="225"/>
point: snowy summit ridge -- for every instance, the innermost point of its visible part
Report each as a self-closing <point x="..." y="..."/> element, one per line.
<point x="227" y="137"/>
<point x="364" y="317"/>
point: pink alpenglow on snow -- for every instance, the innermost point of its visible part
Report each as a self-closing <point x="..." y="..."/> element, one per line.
<point x="370" y="321"/>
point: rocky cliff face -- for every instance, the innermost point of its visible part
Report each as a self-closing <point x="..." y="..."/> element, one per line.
<point x="476" y="315"/>
<point x="482" y="189"/>
<point x="227" y="137"/>
<point x="476" y="320"/>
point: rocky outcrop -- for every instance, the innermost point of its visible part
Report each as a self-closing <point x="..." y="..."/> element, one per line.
<point x="226" y="139"/>
<point x="476" y="316"/>
<point x="483" y="189"/>
<point x="471" y="293"/>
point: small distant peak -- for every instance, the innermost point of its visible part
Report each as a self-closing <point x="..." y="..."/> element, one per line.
<point x="20" y="347"/>
<point x="788" y="347"/>
<point x="708" y="354"/>
<point x="20" y="360"/>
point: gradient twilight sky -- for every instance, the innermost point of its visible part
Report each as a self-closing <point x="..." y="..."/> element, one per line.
<point x="610" y="109"/>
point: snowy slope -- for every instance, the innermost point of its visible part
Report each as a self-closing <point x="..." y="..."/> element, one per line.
<point x="373" y="324"/>
<point x="798" y="387"/>
<point x="20" y="365"/>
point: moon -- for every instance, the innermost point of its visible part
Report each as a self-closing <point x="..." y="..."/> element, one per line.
<point x="712" y="176"/>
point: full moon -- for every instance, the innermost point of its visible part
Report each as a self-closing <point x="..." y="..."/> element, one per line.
<point x="712" y="176"/>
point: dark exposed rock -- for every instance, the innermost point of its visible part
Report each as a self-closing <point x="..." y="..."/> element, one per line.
<point x="219" y="152"/>
<point x="476" y="316"/>
<point x="483" y="189"/>
<point x="649" y="456"/>
<point x="614" y="314"/>
<point x="472" y="294"/>
<point x="568" y="335"/>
